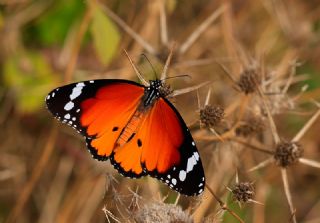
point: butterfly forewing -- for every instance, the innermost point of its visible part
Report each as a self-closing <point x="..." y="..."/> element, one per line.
<point x="91" y="107"/>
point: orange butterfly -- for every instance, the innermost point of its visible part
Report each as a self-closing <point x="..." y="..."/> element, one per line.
<point x="135" y="126"/>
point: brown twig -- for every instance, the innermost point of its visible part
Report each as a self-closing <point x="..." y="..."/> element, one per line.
<point x="223" y="205"/>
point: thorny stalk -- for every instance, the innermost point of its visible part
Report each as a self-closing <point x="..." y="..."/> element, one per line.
<point x="288" y="194"/>
<point x="223" y="205"/>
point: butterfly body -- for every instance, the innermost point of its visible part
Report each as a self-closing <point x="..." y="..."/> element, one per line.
<point x="134" y="126"/>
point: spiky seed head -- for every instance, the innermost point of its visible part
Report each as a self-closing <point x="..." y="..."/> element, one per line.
<point x="254" y="125"/>
<point x="249" y="79"/>
<point x="160" y="212"/>
<point x="243" y="192"/>
<point x="210" y="116"/>
<point x="287" y="153"/>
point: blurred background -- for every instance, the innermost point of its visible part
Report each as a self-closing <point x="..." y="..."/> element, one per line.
<point x="262" y="59"/>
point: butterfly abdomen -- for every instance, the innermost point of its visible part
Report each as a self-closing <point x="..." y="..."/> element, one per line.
<point x="129" y="131"/>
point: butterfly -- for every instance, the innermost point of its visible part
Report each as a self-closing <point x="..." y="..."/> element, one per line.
<point x="134" y="126"/>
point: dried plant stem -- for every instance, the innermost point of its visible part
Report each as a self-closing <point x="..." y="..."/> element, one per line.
<point x="177" y="199"/>
<point x="253" y="147"/>
<point x="93" y="201"/>
<point x="201" y="28"/>
<point x="163" y="23"/>
<point x="166" y="66"/>
<point x="57" y="190"/>
<point x="261" y="165"/>
<point x="288" y="194"/>
<point x="109" y="214"/>
<point x="223" y="205"/>
<point x="306" y="127"/>
<point x="37" y="172"/>
<point x="188" y="89"/>
<point x="208" y="98"/>
<point x="201" y="62"/>
<point x="77" y="44"/>
<point x="273" y="127"/>
<point x="309" y="162"/>
<point x="130" y="31"/>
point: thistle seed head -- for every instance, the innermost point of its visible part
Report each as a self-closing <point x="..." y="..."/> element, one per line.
<point x="249" y="79"/>
<point x="243" y="192"/>
<point x="287" y="153"/>
<point x="210" y="115"/>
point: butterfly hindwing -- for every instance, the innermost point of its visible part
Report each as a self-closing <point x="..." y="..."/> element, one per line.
<point x="186" y="175"/>
<point x="164" y="147"/>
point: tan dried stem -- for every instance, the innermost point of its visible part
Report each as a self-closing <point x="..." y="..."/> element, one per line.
<point x="128" y="30"/>
<point x="288" y="194"/>
<point x="141" y="78"/>
<point x="208" y="98"/>
<point x="306" y="127"/>
<point x="77" y="44"/>
<point x="188" y="89"/>
<point x="262" y="164"/>
<point x="273" y="127"/>
<point x="216" y="134"/>
<point x="201" y="28"/>
<point x="163" y="24"/>
<point x="35" y="176"/>
<point x="177" y="199"/>
<point x="223" y="205"/>
<point x="166" y="66"/>
<point x="253" y="147"/>
<point x="309" y="162"/>
<point x="108" y="214"/>
<point x="56" y="190"/>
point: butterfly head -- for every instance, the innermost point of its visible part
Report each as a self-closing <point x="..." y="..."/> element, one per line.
<point x="155" y="90"/>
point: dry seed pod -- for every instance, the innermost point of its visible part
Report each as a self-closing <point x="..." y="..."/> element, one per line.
<point x="249" y="79"/>
<point x="287" y="153"/>
<point x="161" y="212"/>
<point x="243" y="192"/>
<point x="254" y="125"/>
<point x="210" y="116"/>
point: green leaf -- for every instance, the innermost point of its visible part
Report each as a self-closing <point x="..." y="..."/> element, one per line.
<point x="30" y="77"/>
<point x="105" y="35"/>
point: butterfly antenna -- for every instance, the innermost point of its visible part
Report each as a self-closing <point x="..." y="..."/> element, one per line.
<point x="154" y="71"/>
<point x="183" y="75"/>
<point x="165" y="69"/>
<point x="144" y="82"/>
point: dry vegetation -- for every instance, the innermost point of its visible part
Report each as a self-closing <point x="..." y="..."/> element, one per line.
<point x="256" y="122"/>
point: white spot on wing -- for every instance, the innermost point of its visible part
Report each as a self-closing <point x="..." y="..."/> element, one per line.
<point x="69" y="106"/>
<point x="182" y="175"/>
<point x="67" y="116"/>
<point x="193" y="143"/>
<point x="76" y="91"/>
<point x="174" y="181"/>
